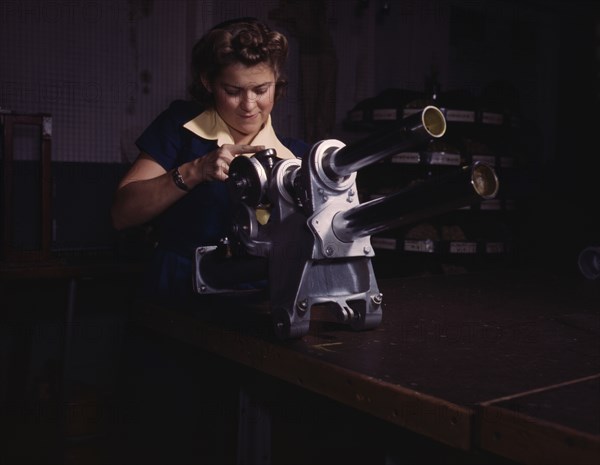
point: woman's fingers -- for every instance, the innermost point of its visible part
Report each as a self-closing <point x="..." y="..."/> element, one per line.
<point x="215" y="165"/>
<point x="229" y="152"/>
<point x="240" y="149"/>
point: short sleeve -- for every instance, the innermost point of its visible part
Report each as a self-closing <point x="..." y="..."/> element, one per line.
<point x="165" y="137"/>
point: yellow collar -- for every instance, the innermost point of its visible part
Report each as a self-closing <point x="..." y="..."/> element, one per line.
<point x="209" y="125"/>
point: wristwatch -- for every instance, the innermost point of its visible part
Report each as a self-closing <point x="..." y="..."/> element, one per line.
<point x="178" y="179"/>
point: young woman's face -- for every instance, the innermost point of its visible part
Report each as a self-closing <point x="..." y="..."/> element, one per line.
<point x="244" y="98"/>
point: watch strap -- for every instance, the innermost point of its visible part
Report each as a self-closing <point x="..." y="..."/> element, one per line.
<point x="178" y="179"/>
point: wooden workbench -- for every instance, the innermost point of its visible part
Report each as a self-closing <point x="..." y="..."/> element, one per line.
<point x="502" y="361"/>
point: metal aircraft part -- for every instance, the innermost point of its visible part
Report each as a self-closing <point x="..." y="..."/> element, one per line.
<point x="315" y="247"/>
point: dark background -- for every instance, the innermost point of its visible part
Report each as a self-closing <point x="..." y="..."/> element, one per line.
<point x="104" y="70"/>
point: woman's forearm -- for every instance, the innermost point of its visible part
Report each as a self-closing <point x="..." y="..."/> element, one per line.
<point x="138" y="202"/>
<point x="146" y="191"/>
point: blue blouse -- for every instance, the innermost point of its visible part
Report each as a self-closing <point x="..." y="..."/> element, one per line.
<point x="200" y="217"/>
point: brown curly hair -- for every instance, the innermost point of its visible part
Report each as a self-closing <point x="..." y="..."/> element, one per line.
<point x="244" y="40"/>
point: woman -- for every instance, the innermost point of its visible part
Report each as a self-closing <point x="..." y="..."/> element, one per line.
<point x="177" y="180"/>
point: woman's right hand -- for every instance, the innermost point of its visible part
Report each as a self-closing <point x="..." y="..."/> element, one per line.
<point x="214" y="166"/>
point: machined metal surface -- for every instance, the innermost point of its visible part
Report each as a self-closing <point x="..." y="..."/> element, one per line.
<point x="249" y="177"/>
<point x="438" y="195"/>
<point x="406" y="134"/>
<point x="317" y="241"/>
